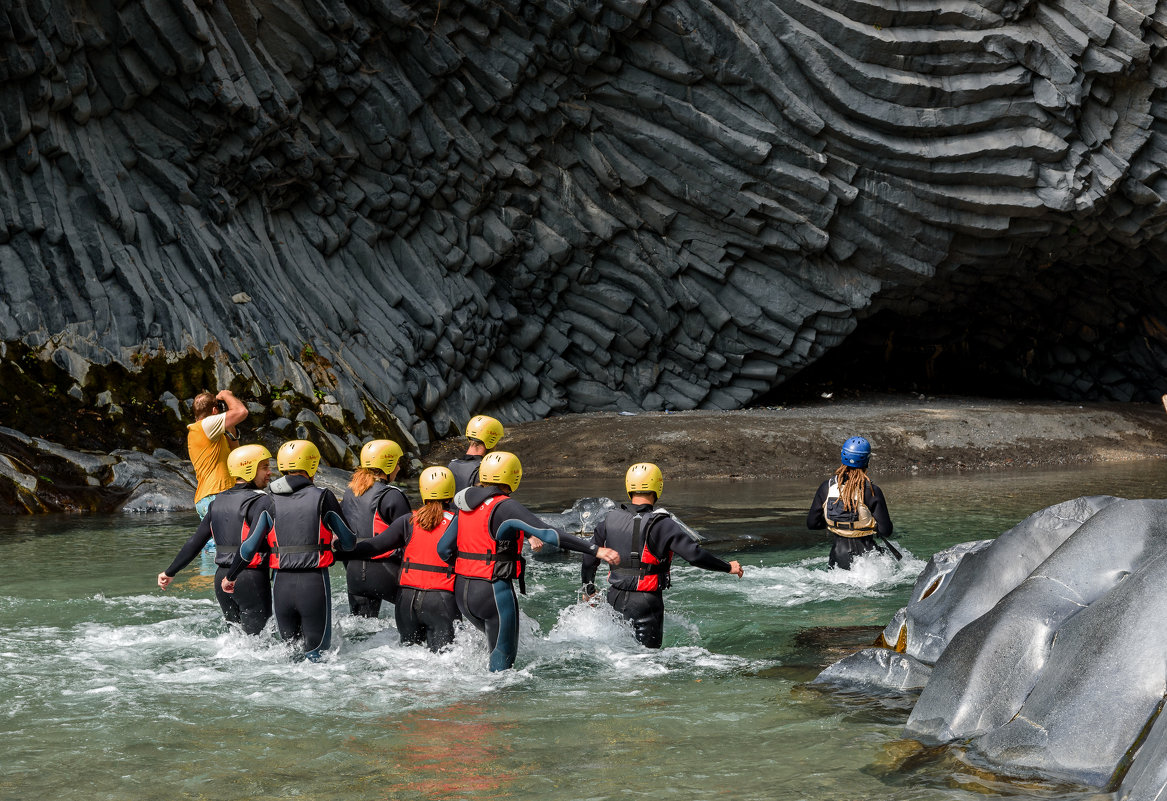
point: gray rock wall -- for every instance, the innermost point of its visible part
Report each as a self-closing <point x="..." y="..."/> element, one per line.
<point x="432" y="209"/>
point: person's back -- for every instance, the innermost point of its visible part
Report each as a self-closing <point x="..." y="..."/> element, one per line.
<point x="483" y="433"/>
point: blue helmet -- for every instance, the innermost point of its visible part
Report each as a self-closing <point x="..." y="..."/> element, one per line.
<point x="856" y="452"/>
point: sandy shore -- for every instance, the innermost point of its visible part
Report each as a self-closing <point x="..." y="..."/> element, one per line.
<point x="907" y="433"/>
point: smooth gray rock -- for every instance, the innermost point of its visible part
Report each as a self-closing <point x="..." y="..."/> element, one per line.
<point x="958" y="595"/>
<point x="1063" y="676"/>
<point x="876" y="669"/>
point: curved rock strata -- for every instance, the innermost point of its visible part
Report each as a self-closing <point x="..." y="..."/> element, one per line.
<point x="1043" y="651"/>
<point x="431" y="209"/>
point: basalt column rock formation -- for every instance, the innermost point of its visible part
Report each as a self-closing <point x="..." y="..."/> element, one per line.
<point x="431" y="209"/>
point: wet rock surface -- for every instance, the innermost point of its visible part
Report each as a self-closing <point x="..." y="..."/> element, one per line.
<point x="1041" y="652"/>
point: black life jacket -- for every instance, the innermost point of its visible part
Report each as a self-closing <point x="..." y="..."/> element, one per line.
<point x="229" y="526"/>
<point x="628" y="535"/>
<point x="363" y="513"/>
<point x="299" y="539"/>
<point x="465" y="470"/>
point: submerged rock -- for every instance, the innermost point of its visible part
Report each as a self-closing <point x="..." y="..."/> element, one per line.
<point x="1050" y="654"/>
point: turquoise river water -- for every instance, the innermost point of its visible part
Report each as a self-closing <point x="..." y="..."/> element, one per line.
<point x="113" y="689"/>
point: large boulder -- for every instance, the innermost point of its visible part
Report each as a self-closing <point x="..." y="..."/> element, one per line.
<point x="1063" y="674"/>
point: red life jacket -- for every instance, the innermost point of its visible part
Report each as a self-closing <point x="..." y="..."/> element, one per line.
<point x="479" y="555"/>
<point x="298" y="539"/>
<point x="639" y="569"/>
<point x="422" y="568"/>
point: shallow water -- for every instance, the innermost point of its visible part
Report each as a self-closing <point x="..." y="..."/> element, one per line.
<point x="114" y="689"/>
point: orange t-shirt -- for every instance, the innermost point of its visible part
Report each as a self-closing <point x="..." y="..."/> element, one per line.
<point x="208" y="448"/>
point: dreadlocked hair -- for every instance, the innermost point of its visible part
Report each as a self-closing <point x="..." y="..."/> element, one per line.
<point x="853" y="483"/>
<point x="363" y="479"/>
<point x="429" y="515"/>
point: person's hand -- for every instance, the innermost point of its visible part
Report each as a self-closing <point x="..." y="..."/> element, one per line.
<point x="588" y="593"/>
<point x="608" y="555"/>
<point x="536" y="543"/>
<point x="228" y="586"/>
<point x="164" y="580"/>
<point x="224" y="394"/>
<point x="735" y="568"/>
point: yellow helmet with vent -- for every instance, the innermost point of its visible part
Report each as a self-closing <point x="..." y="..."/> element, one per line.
<point x="298" y="454"/>
<point x="485" y="429"/>
<point x="644" y="477"/>
<point x="243" y="462"/>
<point x="380" y="454"/>
<point x="501" y="468"/>
<point x="436" y="484"/>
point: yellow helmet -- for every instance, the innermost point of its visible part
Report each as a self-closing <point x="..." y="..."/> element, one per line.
<point x="243" y="462"/>
<point x="485" y="429"/>
<point x="644" y="477"/>
<point x="380" y="454"/>
<point x="501" y="468"/>
<point x="436" y="484"/>
<point x="298" y="454"/>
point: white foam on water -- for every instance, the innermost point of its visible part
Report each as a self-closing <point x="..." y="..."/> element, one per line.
<point x="809" y="580"/>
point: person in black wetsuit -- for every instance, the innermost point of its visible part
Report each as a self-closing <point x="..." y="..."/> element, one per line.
<point x="370" y="504"/>
<point x="229" y="519"/>
<point x="850" y="506"/>
<point x="647" y="539"/>
<point x="298" y="534"/>
<point x="425" y="610"/>
<point x="484" y="433"/>
<point x="486" y="548"/>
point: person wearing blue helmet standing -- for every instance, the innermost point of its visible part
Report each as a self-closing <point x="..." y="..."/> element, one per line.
<point x="850" y="506"/>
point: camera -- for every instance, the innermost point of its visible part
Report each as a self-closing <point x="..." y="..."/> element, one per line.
<point x="220" y="406"/>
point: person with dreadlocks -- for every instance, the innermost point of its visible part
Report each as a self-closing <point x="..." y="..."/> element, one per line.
<point x="850" y="506"/>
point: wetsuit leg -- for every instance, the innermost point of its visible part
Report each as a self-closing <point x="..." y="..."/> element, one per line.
<point x="645" y="610"/>
<point x="438" y="613"/>
<point x="844" y="549"/>
<point x="370" y="583"/>
<point x="227" y="601"/>
<point x="493" y="608"/>
<point x="303" y="607"/>
<point x="253" y="594"/>
<point x="405" y="612"/>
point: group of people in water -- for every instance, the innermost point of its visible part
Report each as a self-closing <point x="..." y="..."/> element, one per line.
<point x="460" y="555"/>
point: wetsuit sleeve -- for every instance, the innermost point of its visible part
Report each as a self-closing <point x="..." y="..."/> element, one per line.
<point x="448" y="544"/>
<point x="191" y="548"/>
<point x="590" y="562"/>
<point x="250" y="546"/>
<point x="878" y="506"/>
<point x="513" y="510"/>
<point x="393" y="505"/>
<point x="670" y="536"/>
<point x="815" y="518"/>
<point x="388" y="540"/>
<point x="334" y="521"/>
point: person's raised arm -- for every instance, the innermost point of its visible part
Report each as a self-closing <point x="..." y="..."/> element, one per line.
<point x="236" y="409"/>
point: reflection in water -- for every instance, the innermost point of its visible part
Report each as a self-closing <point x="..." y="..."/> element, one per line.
<point x="443" y="753"/>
